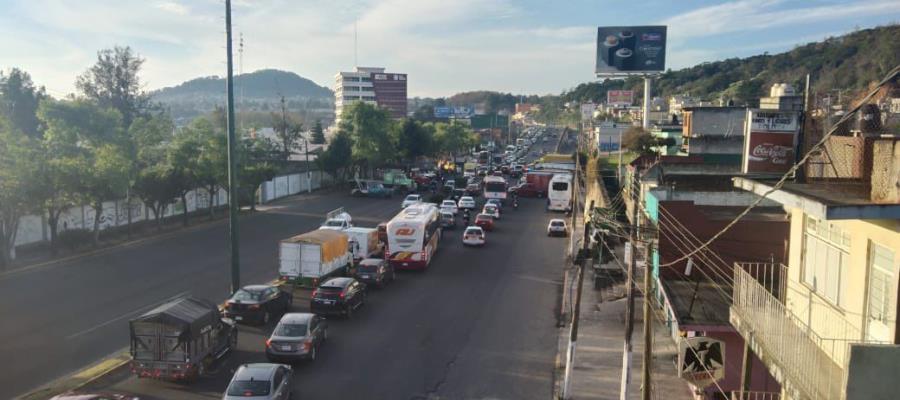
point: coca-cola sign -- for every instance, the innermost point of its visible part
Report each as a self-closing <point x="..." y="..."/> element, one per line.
<point x="769" y="152"/>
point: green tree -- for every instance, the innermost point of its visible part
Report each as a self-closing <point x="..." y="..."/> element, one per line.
<point x="19" y="100"/>
<point x="147" y="145"/>
<point x="289" y="132"/>
<point x="454" y="138"/>
<point x="156" y="187"/>
<point x="17" y="170"/>
<point x="318" y="134"/>
<point x="337" y="159"/>
<point x="369" y="127"/>
<point x="638" y="140"/>
<point x="413" y="140"/>
<point x="113" y="82"/>
<point x="212" y="159"/>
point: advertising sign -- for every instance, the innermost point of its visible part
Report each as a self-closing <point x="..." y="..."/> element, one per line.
<point x="443" y="112"/>
<point x="619" y="97"/>
<point x="630" y="50"/>
<point x="701" y="360"/>
<point x="453" y="112"/>
<point x="769" y="141"/>
<point x="587" y="111"/>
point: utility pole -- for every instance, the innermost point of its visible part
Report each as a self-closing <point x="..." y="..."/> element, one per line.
<point x="573" y="333"/>
<point x="308" y="171"/>
<point x="629" y="290"/>
<point x="646" y="120"/>
<point x="233" y="243"/>
<point x="647" y="364"/>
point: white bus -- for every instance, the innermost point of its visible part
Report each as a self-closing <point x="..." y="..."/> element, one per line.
<point x="495" y="187"/>
<point x="559" y="193"/>
<point x="413" y="236"/>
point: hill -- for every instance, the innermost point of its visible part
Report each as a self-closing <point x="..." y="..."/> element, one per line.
<point x="256" y="91"/>
<point x="849" y="62"/>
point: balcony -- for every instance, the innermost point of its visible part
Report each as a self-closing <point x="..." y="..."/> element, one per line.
<point x="807" y="365"/>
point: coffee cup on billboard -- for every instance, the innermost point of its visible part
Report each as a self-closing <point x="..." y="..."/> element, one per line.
<point x="608" y="51"/>
<point x="627" y="39"/>
<point x="624" y="59"/>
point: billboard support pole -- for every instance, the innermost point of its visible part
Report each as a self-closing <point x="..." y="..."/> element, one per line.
<point x="646" y="120"/>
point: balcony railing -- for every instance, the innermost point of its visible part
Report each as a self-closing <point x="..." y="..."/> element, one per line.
<point x="814" y="365"/>
<point x="751" y="395"/>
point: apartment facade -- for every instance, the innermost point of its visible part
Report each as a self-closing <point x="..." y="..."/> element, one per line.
<point x="371" y="85"/>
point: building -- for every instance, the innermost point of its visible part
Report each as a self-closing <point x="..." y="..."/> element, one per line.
<point x="782" y="96"/>
<point x="714" y="133"/>
<point x="373" y="86"/>
<point x="826" y="326"/>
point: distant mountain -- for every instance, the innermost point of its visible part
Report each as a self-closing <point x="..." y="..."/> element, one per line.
<point x="851" y="62"/>
<point x="257" y="91"/>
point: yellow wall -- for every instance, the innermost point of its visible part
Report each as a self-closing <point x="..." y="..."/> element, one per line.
<point x="825" y="319"/>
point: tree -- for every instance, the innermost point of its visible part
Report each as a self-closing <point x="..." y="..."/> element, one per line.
<point x="113" y="82"/>
<point x="642" y="142"/>
<point x="289" y="132"/>
<point x="318" y="134"/>
<point x="19" y="100"/>
<point x="338" y="157"/>
<point x="184" y="167"/>
<point x="454" y="138"/>
<point x="17" y="170"/>
<point x="156" y="188"/>
<point x="212" y="159"/>
<point x="89" y="147"/>
<point x="413" y="140"/>
<point x="147" y="144"/>
<point x="368" y="127"/>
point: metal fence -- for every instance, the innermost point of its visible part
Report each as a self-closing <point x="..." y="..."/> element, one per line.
<point x="751" y="395"/>
<point x="810" y="363"/>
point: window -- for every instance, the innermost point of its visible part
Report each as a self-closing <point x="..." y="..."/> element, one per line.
<point x="825" y="258"/>
<point x="881" y="281"/>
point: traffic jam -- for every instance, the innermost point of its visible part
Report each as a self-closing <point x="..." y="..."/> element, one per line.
<point x="338" y="265"/>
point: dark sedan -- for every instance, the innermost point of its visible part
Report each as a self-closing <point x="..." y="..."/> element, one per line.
<point x="341" y="296"/>
<point x="375" y="272"/>
<point x="258" y="303"/>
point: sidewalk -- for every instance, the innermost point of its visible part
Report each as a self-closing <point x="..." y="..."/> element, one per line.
<point x="597" y="370"/>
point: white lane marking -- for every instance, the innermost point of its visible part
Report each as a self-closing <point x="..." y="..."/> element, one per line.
<point x="536" y="279"/>
<point x="126" y="315"/>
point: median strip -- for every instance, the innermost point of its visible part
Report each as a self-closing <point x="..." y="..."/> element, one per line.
<point x="82" y="378"/>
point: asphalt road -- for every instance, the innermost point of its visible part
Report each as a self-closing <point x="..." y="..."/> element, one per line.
<point x="479" y="323"/>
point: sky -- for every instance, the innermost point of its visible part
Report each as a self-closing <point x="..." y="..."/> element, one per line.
<point x="446" y="46"/>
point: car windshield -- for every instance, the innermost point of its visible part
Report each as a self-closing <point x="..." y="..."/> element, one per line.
<point x="334" y="222"/>
<point x="290" y="330"/>
<point x="448" y="203"/>
<point x="558" y="223"/>
<point x="412" y="197"/>
<point x="483" y="217"/>
<point x="247" y="295"/>
<point x="249" y="388"/>
<point x="368" y="268"/>
<point x="473" y="232"/>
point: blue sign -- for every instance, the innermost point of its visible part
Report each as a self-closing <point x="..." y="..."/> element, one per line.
<point x="443" y="112"/>
<point x="453" y="112"/>
<point x="609" y="146"/>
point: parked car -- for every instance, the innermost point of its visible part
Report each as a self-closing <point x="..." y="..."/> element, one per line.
<point x="467" y="202"/>
<point x="296" y="337"/>
<point x="258" y="303"/>
<point x="491" y="210"/>
<point x="473" y="236"/>
<point x="557" y="227"/>
<point x="410" y="200"/>
<point x="375" y="271"/>
<point x="485" y="221"/>
<point x="450" y="205"/>
<point x="339" y="296"/>
<point x="260" y="381"/>
<point x="448" y="221"/>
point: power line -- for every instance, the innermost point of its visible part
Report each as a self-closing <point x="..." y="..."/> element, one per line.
<point x="890" y="76"/>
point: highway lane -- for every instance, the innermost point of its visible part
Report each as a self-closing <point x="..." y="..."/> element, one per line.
<point x="62" y="317"/>
<point x="479" y="323"/>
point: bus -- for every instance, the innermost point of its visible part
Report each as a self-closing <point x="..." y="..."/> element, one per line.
<point x="495" y="187"/>
<point x="483" y="157"/>
<point x="413" y="236"/>
<point x="559" y="193"/>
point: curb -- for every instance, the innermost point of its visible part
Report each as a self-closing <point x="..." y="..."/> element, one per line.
<point x="109" y="365"/>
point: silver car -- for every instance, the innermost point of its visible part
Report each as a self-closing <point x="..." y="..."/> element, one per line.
<point x="297" y="336"/>
<point x="260" y="381"/>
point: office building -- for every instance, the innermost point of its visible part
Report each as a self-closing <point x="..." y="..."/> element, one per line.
<point x="373" y="86"/>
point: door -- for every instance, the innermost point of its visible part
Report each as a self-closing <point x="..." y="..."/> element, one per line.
<point x="289" y="263"/>
<point x="881" y="306"/>
<point x="310" y="260"/>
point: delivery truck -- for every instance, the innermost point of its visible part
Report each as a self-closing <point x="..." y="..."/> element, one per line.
<point x="364" y="242"/>
<point x="308" y="258"/>
<point x="180" y="339"/>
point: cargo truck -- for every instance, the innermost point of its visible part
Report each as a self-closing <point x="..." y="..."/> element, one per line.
<point x="308" y="258"/>
<point x="179" y="340"/>
<point x="364" y="242"/>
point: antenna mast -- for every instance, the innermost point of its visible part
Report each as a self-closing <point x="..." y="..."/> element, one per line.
<point x="355" y="45"/>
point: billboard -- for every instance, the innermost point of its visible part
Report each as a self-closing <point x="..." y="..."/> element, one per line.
<point x="443" y="112"/>
<point x="587" y="111"/>
<point x="619" y="97"/>
<point x="631" y="50"/>
<point x="453" y="112"/>
<point x="770" y="138"/>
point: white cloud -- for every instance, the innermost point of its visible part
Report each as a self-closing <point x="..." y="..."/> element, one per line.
<point x="173" y="7"/>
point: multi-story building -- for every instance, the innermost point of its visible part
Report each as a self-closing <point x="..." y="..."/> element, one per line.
<point x="373" y="86"/>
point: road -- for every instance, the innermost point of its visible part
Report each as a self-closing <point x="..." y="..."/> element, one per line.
<point x="479" y="323"/>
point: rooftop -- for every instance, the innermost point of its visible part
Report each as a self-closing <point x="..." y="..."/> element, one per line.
<point x="709" y="307"/>
<point x="825" y="200"/>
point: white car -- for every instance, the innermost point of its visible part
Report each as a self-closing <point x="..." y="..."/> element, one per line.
<point x="467" y="202"/>
<point x="473" y="236"/>
<point x="449" y="205"/>
<point x="410" y="200"/>
<point x="557" y="227"/>
<point x="492" y="210"/>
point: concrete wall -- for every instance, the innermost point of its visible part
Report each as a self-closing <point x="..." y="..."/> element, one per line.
<point x="711" y="198"/>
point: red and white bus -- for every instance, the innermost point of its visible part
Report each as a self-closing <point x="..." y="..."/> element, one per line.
<point x="495" y="187"/>
<point x="413" y="236"/>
